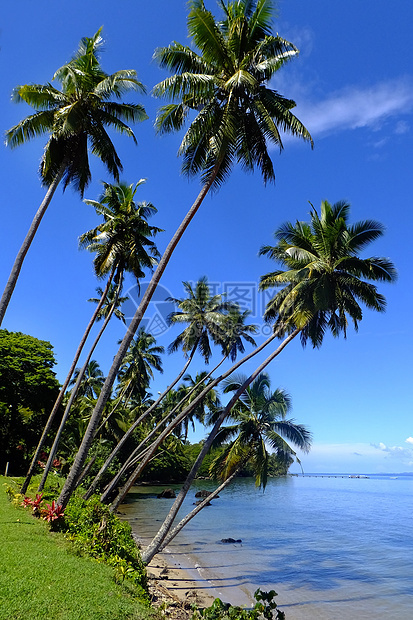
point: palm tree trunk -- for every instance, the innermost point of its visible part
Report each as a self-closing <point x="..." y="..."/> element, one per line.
<point x="80" y="458"/>
<point x="129" y="432"/>
<point x="18" y="263"/>
<point x="134" y="457"/>
<point x="149" y="555"/>
<point x="65" y="386"/>
<point x="131" y="480"/>
<point x="154" y="547"/>
<point x="75" y="390"/>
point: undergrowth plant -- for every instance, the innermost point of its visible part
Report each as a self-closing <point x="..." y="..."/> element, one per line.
<point x="265" y="608"/>
<point x="92" y="530"/>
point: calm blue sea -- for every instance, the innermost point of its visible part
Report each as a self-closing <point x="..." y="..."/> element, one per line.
<point x="332" y="547"/>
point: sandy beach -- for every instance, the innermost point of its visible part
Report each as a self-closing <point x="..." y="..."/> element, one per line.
<point x="172" y="587"/>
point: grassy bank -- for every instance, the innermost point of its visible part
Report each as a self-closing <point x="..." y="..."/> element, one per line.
<point x="42" y="578"/>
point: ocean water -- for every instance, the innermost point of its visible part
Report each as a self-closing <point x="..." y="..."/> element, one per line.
<point x="332" y="547"/>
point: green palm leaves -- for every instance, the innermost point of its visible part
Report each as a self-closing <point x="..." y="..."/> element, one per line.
<point x="77" y="115"/>
<point x="258" y="420"/>
<point x="123" y="241"/>
<point x="324" y="280"/>
<point x="237" y="115"/>
<point x="205" y="316"/>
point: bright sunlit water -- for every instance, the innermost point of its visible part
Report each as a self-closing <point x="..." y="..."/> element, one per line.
<point x="332" y="547"/>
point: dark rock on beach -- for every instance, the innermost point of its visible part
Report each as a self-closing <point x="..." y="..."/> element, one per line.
<point x="168" y="493"/>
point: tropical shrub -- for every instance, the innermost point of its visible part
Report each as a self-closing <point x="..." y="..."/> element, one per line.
<point x="95" y="531"/>
<point x="264" y="609"/>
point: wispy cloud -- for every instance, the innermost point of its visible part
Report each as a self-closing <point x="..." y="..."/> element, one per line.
<point x="357" y="107"/>
<point x="405" y="455"/>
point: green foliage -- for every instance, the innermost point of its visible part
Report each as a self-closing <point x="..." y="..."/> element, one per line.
<point x="28" y="389"/>
<point x="264" y="609"/>
<point x="276" y="467"/>
<point x="95" y="531"/>
<point x="171" y="464"/>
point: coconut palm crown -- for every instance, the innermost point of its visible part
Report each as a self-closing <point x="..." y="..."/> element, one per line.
<point x="226" y="83"/>
<point x="205" y="316"/>
<point x="258" y="420"/>
<point x="123" y="241"/>
<point x="76" y="116"/>
<point x="324" y="278"/>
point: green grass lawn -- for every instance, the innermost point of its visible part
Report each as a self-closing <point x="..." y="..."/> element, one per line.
<point x="40" y="577"/>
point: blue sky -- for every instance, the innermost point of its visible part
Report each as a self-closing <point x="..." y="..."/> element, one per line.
<point x="353" y="84"/>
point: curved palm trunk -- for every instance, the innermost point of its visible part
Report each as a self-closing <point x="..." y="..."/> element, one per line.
<point x="110" y="379"/>
<point x="156" y="543"/>
<point x="18" y="263"/>
<point x="131" y="480"/>
<point x="155" y="546"/>
<point x="120" y="397"/>
<point x="74" y="392"/>
<point x="129" y="432"/>
<point x="65" y="386"/>
<point x="135" y="456"/>
<point x="147" y="554"/>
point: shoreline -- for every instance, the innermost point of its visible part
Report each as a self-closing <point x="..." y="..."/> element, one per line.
<point x="172" y="585"/>
<point x="176" y="575"/>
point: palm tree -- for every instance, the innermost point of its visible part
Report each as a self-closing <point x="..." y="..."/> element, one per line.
<point x="237" y="118"/>
<point x="139" y="363"/>
<point x="199" y="414"/>
<point x="75" y="118"/>
<point x="205" y="316"/>
<point x="108" y="303"/>
<point x="92" y="381"/>
<point x="122" y="243"/>
<point x="322" y="285"/>
<point x="259" y="420"/>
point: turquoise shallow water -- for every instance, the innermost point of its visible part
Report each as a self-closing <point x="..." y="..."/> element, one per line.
<point x="332" y="547"/>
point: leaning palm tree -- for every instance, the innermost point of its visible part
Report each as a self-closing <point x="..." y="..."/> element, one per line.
<point x="258" y="420"/>
<point x="323" y="284"/>
<point x="237" y="119"/>
<point x="205" y="317"/>
<point x="122" y="243"/>
<point x="75" y="118"/>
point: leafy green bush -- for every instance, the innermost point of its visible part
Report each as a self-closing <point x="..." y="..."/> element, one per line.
<point x="264" y="609"/>
<point x="94" y="530"/>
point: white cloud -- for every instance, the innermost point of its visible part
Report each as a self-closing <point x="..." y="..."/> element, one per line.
<point x="404" y="454"/>
<point x="356" y="107"/>
<point x="356" y="458"/>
